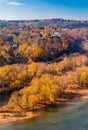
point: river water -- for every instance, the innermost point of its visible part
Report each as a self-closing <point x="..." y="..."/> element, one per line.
<point x="73" y="116"/>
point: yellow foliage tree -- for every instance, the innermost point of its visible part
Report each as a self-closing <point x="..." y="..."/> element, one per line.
<point x="37" y="53"/>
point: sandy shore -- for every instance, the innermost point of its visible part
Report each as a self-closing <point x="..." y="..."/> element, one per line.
<point x="67" y="97"/>
<point x="9" y="117"/>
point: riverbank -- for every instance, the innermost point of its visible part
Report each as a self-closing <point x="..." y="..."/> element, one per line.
<point x="78" y="94"/>
<point x="10" y="117"/>
<point x="70" y="95"/>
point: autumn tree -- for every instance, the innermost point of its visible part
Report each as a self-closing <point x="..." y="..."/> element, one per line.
<point x="22" y="53"/>
<point x="42" y="90"/>
<point x="37" y="53"/>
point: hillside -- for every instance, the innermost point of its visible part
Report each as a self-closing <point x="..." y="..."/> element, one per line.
<point x="55" y="22"/>
<point x="37" y="65"/>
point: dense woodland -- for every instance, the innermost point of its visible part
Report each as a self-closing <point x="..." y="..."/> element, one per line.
<point x="38" y="64"/>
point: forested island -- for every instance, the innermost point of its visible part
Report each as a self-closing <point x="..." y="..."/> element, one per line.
<point x="42" y="63"/>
